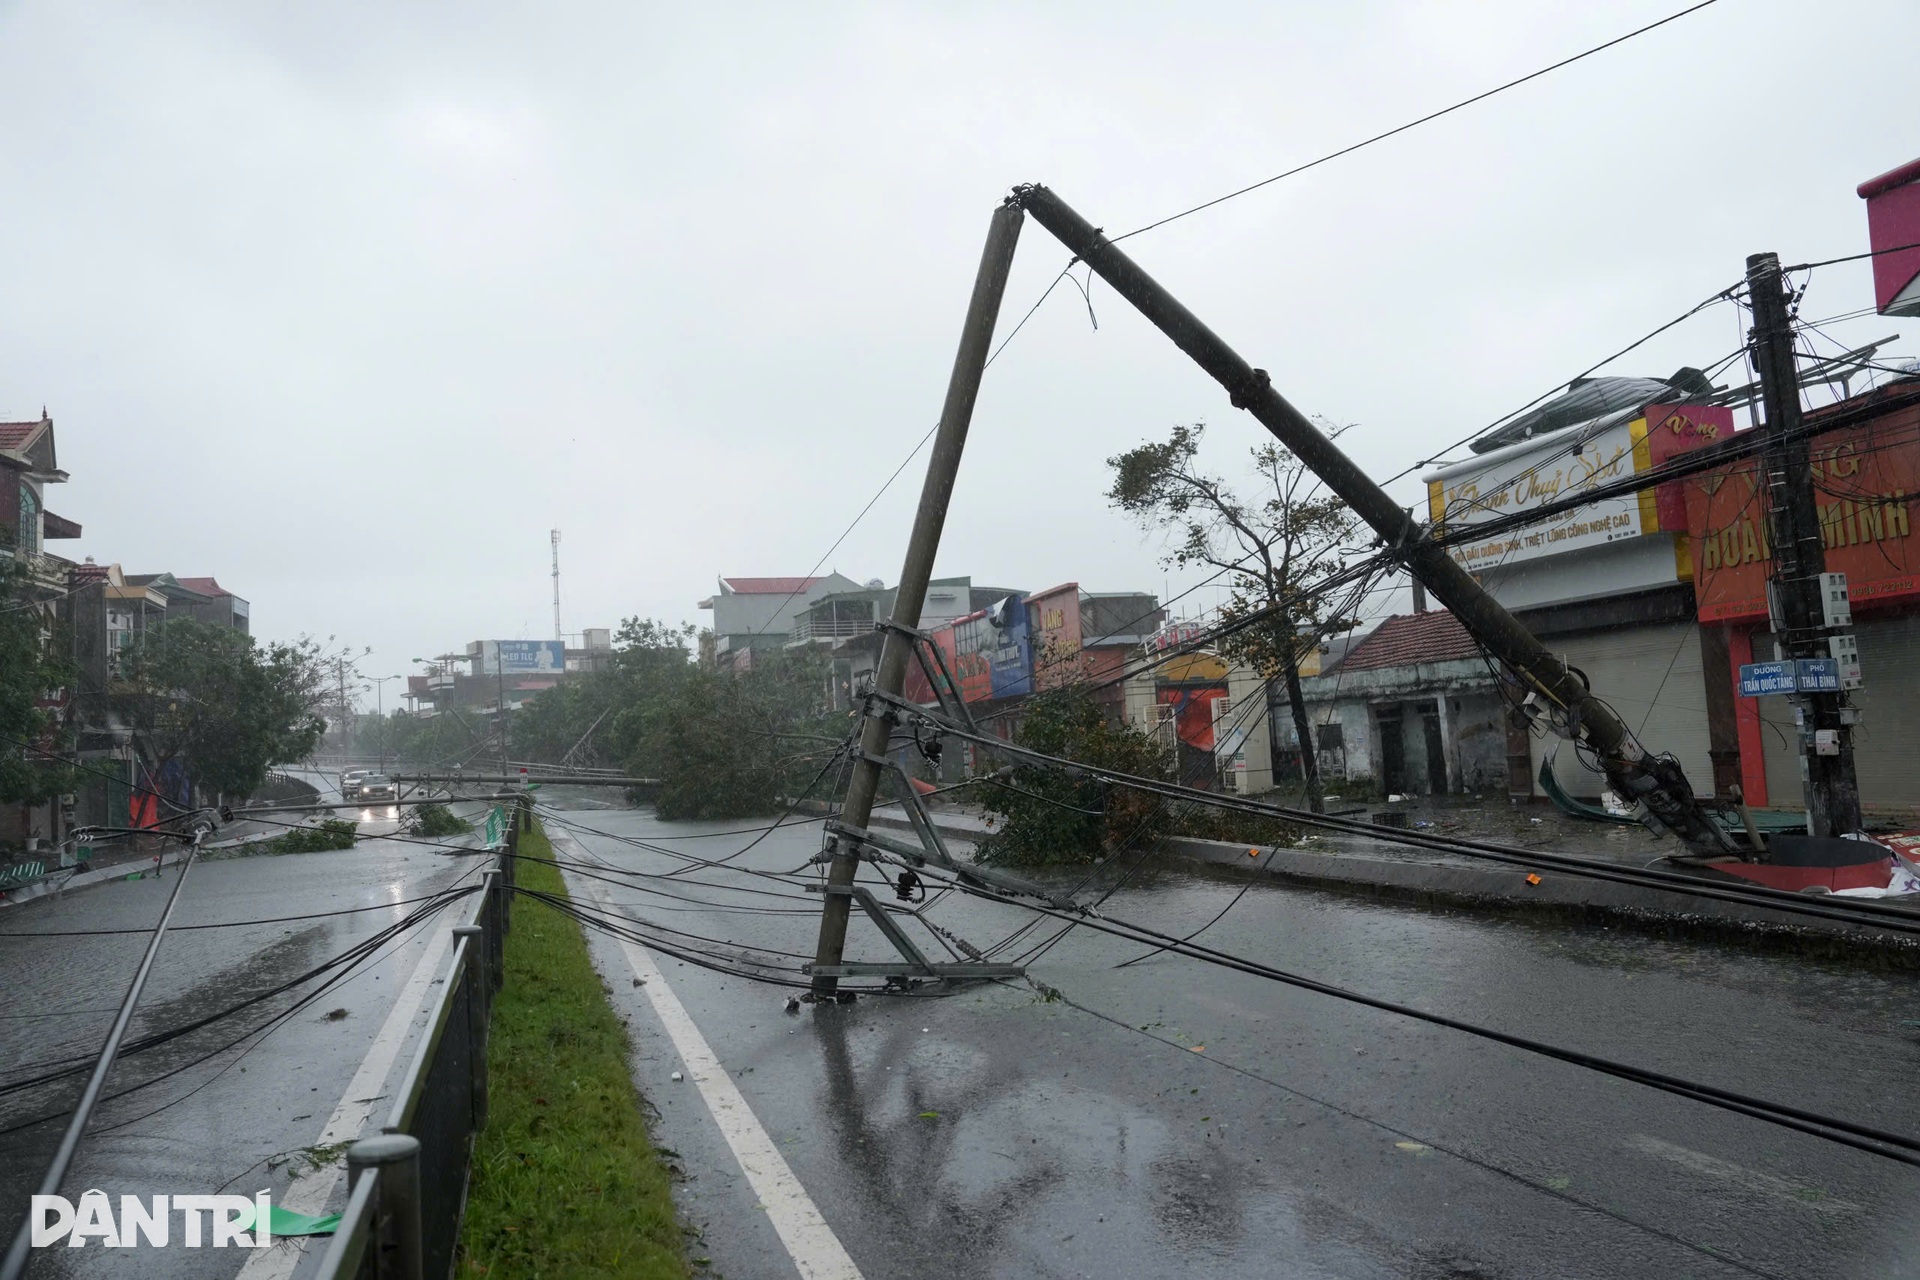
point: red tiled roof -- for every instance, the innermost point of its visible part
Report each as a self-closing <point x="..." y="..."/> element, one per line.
<point x="1409" y="638"/>
<point x="14" y="434"/>
<point x="768" y="586"/>
<point x="83" y="573"/>
<point x="203" y="586"/>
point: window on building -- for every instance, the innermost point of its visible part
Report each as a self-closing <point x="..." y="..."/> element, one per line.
<point x="1331" y="737"/>
<point x="28" y="541"/>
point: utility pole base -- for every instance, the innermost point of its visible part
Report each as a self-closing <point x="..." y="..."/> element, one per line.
<point x="915" y="967"/>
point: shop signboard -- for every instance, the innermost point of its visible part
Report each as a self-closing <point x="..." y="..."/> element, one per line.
<point x="1534" y="473"/>
<point x="1674" y="429"/>
<point x="1865" y="479"/>
<point x="1055" y="619"/>
<point x="1011" y="656"/>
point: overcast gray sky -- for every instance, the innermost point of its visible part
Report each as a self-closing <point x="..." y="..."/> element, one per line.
<point x="348" y="304"/>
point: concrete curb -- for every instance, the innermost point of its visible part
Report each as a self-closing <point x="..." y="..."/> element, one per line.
<point x="56" y="884"/>
<point x="1355" y="865"/>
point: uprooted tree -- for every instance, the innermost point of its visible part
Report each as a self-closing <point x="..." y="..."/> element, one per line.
<point x="1278" y="546"/>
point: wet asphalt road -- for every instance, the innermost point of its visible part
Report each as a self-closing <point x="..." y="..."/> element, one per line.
<point x="234" y="1118"/>
<point x="1273" y="1132"/>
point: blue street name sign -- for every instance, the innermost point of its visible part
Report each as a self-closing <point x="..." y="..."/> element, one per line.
<point x="1758" y="679"/>
<point x="1819" y="675"/>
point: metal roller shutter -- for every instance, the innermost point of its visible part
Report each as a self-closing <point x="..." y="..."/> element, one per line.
<point x="1652" y="677"/>
<point x="1886" y="746"/>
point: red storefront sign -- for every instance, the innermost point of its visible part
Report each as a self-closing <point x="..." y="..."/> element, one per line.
<point x="1674" y="429"/>
<point x="1865" y="480"/>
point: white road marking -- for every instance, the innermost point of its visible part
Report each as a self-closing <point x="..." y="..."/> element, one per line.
<point x="1706" y="1166"/>
<point x="310" y="1189"/>
<point x="810" y="1242"/>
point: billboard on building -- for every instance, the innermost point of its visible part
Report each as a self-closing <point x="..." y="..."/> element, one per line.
<point x="1054" y="619"/>
<point x="522" y="657"/>
<point x="1534" y="473"/>
<point x="1865" y="480"/>
<point x="996" y="643"/>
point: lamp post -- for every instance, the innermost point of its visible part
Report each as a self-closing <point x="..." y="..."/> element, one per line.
<point x="379" y="684"/>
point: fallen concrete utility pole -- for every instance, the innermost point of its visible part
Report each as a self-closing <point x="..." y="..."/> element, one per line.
<point x="1657" y="782"/>
<point x="544" y="779"/>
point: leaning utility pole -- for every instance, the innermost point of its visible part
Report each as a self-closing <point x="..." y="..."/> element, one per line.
<point x="976" y="336"/>
<point x="1800" y="614"/>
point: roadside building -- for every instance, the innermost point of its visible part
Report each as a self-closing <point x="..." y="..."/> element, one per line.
<point x="1866" y="477"/>
<point x="28" y="464"/>
<point x="1607" y="586"/>
<point x="760" y="613"/>
<point x="1091" y="637"/>
<point x="845" y="625"/>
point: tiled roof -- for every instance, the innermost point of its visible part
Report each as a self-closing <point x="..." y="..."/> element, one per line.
<point x="1406" y="639"/>
<point x="203" y="586"/>
<point x="83" y="573"/>
<point x="15" y="434"/>
<point x="768" y="586"/>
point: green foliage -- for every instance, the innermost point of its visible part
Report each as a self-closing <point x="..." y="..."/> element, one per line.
<point x="1279" y="549"/>
<point x="30" y="671"/>
<point x="331" y="833"/>
<point x="721" y="743"/>
<point x="428" y="742"/>
<point x="1204" y="822"/>
<point x="224" y="706"/>
<point x="729" y="745"/>
<point x="432" y="820"/>
<point x="566" y="1178"/>
<point x="1054" y="814"/>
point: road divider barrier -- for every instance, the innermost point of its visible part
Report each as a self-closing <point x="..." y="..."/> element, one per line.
<point x="408" y="1183"/>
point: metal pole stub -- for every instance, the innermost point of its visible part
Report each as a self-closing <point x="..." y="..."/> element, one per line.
<point x="479" y="984"/>
<point x="393" y="1158"/>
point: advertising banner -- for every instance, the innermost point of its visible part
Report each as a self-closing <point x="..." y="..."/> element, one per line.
<point x="1534" y="473"/>
<point x="524" y="657"/>
<point x="1864" y="480"/>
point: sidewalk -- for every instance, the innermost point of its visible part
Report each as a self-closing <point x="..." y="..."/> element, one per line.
<point x="1378" y="868"/>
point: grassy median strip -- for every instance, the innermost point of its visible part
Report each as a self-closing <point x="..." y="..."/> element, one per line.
<point x="566" y="1179"/>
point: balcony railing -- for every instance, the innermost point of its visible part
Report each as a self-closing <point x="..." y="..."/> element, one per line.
<point x="808" y="630"/>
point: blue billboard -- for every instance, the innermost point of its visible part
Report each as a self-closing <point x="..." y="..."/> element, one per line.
<point x="1010" y="651"/>
<point x="528" y="657"/>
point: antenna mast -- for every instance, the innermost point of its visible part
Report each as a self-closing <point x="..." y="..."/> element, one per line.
<point x="554" y="536"/>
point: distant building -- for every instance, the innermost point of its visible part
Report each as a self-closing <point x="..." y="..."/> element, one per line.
<point x="760" y="613"/>
<point x="202" y="599"/>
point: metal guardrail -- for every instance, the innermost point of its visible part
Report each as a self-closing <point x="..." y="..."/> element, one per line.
<point x="408" y="1183"/>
